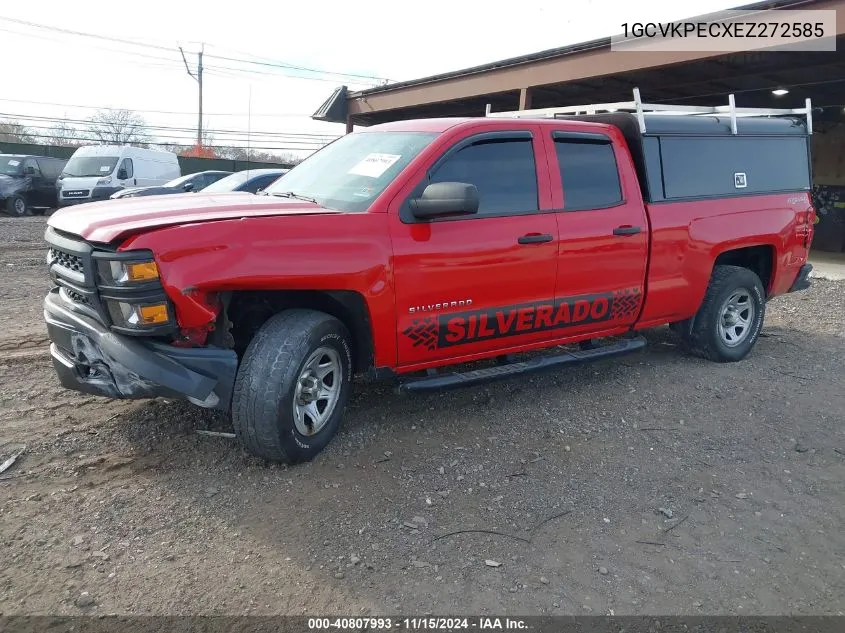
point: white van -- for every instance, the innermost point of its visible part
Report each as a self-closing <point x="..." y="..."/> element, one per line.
<point x="97" y="171"/>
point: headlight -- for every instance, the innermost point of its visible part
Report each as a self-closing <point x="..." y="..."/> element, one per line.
<point x="138" y="315"/>
<point x="104" y="181"/>
<point x="116" y="272"/>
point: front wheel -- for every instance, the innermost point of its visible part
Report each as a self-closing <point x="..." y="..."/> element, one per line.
<point x="728" y="323"/>
<point x="292" y="386"/>
<point x="17" y="206"/>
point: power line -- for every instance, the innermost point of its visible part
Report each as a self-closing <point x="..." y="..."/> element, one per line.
<point x="161" y="144"/>
<point x="130" y="42"/>
<point x="220" y="71"/>
<point x="187" y="140"/>
<point x="91" y="107"/>
<point x="293" y="67"/>
<point x="167" y="127"/>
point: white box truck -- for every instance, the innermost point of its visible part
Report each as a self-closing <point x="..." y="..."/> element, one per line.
<point x="97" y="171"/>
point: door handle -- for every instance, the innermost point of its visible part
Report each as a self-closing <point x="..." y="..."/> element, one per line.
<point x="535" y="238"/>
<point x="626" y="230"/>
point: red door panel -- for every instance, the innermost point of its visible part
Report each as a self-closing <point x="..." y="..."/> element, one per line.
<point x="468" y="285"/>
<point x="604" y="232"/>
<point x="459" y="284"/>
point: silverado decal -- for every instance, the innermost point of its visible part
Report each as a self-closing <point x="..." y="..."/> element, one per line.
<point x="447" y="330"/>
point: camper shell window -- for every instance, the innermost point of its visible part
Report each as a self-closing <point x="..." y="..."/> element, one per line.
<point x="697" y="157"/>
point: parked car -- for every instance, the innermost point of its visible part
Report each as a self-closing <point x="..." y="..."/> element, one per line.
<point x="96" y="172"/>
<point x="28" y="183"/>
<point x="415" y="247"/>
<point x="251" y="180"/>
<point x="183" y="184"/>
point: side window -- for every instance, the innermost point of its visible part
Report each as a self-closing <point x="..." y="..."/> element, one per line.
<point x="31" y="165"/>
<point x="47" y="168"/>
<point x="128" y="166"/>
<point x="589" y="174"/>
<point x="503" y="170"/>
<point x="258" y="183"/>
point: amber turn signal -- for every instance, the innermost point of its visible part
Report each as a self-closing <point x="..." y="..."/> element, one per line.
<point x="142" y="271"/>
<point x="153" y="314"/>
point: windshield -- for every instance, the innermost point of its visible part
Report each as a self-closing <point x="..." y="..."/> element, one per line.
<point x="10" y="165"/>
<point x="349" y="173"/>
<point x="79" y="166"/>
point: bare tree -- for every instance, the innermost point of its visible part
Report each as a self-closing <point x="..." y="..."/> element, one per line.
<point x="290" y="159"/>
<point x="257" y="156"/>
<point x="64" y="134"/>
<point x="118" y="127"/>
<point x="14" y="132"/>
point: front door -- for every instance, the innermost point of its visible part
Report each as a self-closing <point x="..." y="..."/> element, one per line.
<point x="603" y="234"/>
<point x="127" y="170"/>
<point x="468" y="285"/>
<point x="39" y="188"/>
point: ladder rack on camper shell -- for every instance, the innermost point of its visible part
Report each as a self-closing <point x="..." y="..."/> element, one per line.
<point x="640" y="109"/>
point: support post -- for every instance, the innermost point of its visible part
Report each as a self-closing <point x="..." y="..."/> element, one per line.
<point x="199" y="82"/>
<point x="525" y="98"/>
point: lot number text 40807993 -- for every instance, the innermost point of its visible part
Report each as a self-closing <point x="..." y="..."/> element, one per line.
<point x="416" y="624"/>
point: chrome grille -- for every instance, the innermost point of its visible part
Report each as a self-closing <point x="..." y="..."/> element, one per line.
<point x="76" y="193"/>
<point x="76" y="297"/>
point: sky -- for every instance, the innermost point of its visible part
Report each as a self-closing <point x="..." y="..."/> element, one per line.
<point x="135" y="63"/>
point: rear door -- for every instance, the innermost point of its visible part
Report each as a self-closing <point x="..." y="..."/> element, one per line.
<point x="466" y="286"/>
<point x="604" y="233"/>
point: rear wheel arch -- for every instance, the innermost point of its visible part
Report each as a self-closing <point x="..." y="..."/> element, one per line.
<point x="760" y="259"/>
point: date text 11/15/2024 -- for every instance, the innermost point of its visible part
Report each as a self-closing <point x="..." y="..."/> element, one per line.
<point x="415" y="624"/>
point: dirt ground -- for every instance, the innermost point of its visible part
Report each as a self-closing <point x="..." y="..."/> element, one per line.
<point x="654" y="484"/>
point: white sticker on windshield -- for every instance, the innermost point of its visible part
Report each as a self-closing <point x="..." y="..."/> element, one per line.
<point x="105" y="168"/>
<point x="14" y="163"/>
<point x="374" y="165"/>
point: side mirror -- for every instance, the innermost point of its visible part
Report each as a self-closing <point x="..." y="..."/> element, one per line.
<point x="29" y="170"/>
<point x="122" y="175"/>
<point x="188" y="186"/>
<point x="445" y="198"/>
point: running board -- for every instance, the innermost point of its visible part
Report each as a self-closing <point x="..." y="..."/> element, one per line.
<point x="541" y="363"/>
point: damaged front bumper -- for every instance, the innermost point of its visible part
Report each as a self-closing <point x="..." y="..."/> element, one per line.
<point x="90" y="358"/>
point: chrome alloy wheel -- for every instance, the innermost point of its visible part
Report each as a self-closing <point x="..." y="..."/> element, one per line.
<point x="317" y="391"/>
<point x="736" y="317"/>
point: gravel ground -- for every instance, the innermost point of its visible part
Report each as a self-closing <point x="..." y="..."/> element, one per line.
<point x="655" y="484"/>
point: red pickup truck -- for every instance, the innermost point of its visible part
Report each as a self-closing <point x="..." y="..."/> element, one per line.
<point x="408" y="249"/>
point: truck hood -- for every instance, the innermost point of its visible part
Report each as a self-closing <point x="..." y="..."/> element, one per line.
<point x="110" y="220"/>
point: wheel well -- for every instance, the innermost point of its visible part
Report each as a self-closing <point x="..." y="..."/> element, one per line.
<point x="248" y="310"/>
<point x="759" y="259"/>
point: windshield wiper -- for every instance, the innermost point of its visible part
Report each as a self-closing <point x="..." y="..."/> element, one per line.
<point x="291" y="194"/>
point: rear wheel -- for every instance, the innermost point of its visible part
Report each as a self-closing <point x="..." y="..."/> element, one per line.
<point x="728" y="323"/>
<point x="292" y="386"/>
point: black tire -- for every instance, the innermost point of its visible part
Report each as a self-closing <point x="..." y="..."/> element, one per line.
<point x="17" y="206"/>
<point x="265" y="387"/>
<point x="702" y="336"/>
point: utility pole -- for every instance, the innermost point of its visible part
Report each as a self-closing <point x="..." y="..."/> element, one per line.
<point x="198" y="78"/>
